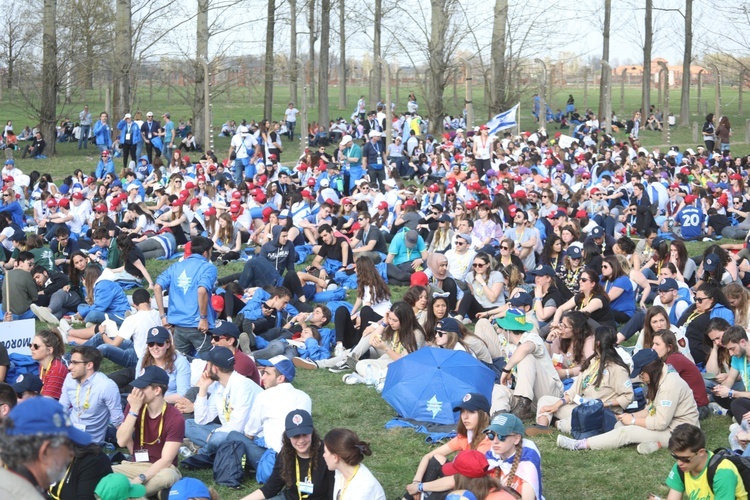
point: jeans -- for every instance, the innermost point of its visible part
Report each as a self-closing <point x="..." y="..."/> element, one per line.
<point x="201" y="435"/>
<point x="124" y="355"/>
<point x="27" y="315"/>
<point x="188" y="341"/>
<point x="259" y="271"/>
<point x="276" y="348"/>
<point x="83" y="137"/>
<point x="290" y="127"/>
<point x="98" y="316"/>
<point x="239" y="169"/>
<point x="252" y="450"/>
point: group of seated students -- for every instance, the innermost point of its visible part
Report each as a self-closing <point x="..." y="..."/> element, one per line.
<point x="517" y="265"/>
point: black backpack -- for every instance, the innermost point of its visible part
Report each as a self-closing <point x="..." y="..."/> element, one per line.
<point x="721" y="454"/>
<point x="229" y="464"/>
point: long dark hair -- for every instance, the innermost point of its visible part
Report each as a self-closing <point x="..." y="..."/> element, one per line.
<point x="653" y="370"/>
<point x="125" y="245"/>
<point x="547" y="250"/>
<point x="598" y="288"/>
<point x="368" y="275"/>
<point x="74" y="274"/>
<point x="581" y="331"/>
<point x="605" y="341"/>
<point x="648" y="332"/>
<point x="408" y="326"/>
<point x="288" y="457"/>
<point x="430" y="323"/>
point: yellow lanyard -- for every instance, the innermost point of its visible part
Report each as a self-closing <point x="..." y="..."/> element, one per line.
<point x="309" y="473"/>
<point x="227" y="408"/>
<point x="143" y="426"/>
<point x="694" y="315"/>
<point x="585" y="302"/>
<point x="45" y="371"/>
<point x="342" y="493"/>
<point x="56" y="494"/>
<point x="86" y="404"/>
<point x="590" y="374"/>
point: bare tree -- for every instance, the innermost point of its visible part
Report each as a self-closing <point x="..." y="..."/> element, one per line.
<point x="17" y="19"/>
<point x="268" y="66"/>
<point x="89" y="25"/>
<point x="293" y="69"/>
<point x="342" y="55"/>
<point x="325" y="45"/>
<point x="687" y="58"/>
<point x="201" y="58"/>
<point x="376" y="51"/>
<point x="123" y="51"/>
<point x="647" y="47"/>
<point x="606" y="71"/>
<point x="500" y="20"/>
<point x="438" y="62"/>
<point x="311" y="54"/>
<point x="48" y="110"/>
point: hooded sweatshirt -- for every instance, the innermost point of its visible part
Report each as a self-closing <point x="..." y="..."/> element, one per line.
<point x="281" y="256"/>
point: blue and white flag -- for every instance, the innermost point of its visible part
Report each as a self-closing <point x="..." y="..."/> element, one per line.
<point x="506" y="119"/>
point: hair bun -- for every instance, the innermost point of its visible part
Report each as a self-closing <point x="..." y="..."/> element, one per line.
<point x="364" y="448"/>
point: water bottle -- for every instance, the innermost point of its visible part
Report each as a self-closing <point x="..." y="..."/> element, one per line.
<point x="717" y="410"/>
<point x="185" y="452"/>
<point x="370" y="378"/>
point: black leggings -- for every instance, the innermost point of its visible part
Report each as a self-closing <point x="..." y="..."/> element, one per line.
<point x="346" y="333"/>
<point x="469" y="307"/>
<point x="232" y="306"/>
<point x="621" y="317"/>
<point x="129" y="150"/>
<point x="293" y="284"/>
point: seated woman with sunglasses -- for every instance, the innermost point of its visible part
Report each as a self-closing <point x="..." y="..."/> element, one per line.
<point x="604" y="376"/>
<point x="160" y="351"/>
<point x="591" y="299"/>
<point x="485" y="289"/>
<point x="474" y="417"/>
<point x="670" y="402"/>
<point x="710" y="303"/>
<point x="570" y="344"/>
<point x="47" y="349"/>
<point x="619" y="289"/>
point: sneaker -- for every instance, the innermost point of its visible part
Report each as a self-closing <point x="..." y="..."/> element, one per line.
<point x="351" y="362"/>
<point x="571" y="444"/>
<point x="648" y="448"/>
<point x="340" y="368"/>
<point x="538" y="430"/>
<point x="44" y="314"/>
<point x="191" y="446"/>
<point x="353" y="379"/>
<point x="64" y="327"/>
<point x="247" y="342"/>
<point x="305" y="364"/>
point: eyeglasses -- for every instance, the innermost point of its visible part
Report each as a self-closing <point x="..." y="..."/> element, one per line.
<point x="37" y="346"/>
<point x="699" y="300"/>
<point x="684" y="460"/>
<point x="494" y="435"/>
<point x="478" y="264"/>
<point x="152" y="344"/>
<point x="73" y="362"/>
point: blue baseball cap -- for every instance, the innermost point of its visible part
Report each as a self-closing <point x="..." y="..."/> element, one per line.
<point x="668" y="284"/>
<point x="574" y="252"/>
<point x="151" y="375"/>
<point x="543" y="270"/>
<point x="225" y="328"/>
<point x="27" y="382"/>
<point x="158" y="334"/>
<point x="641" y="359"/>
<point x="597" y="232"/>
<point x="521" y="299"/>
<point x="44" y="416"/>
<point x="711" y="262"/>
<point x="473" y="401"/>
<point x="222" y="357"/>
<point x="10" y="161"/>
<point x="448" y="324"/>
<point x="282" y="364"/>
<point x="189" y="487"/>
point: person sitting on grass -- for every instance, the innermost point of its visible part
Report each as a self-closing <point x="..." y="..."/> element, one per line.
<point x="47" y="349"/>
<point x="344" y="454"/>
<point x="474" y="417"/>
<point x="670" y="402"/>
<point x="690" y="475"/>
<point x="604" y="376"/>
<point x="334" y="253"/>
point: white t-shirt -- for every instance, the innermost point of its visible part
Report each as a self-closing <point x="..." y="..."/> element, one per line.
<point x="237" y="142"/>
<point x="363" y="485"/>
<point x="290" y="115"/>
<point x="380" y="308"/>
<point x="136" y="327"/>
<point x="145" y="225"/>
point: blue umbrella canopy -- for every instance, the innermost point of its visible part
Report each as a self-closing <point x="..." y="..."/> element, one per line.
<point x="427" y="384"/>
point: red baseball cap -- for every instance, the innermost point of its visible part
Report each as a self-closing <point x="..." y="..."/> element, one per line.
<point x="236" y="195"/>
<point x="194" y="202"/>
<point x="190" y="185"/>
<point x="101" y="207"/>
<point x="51" y="202"/>
<point x="235" y="206"/>
<point x="307" y="194"/>
<point x="78" y="196"/>
<point x="64" y="202"/>
<point x="519" y="194"/>
<point x="178" y="202"/>
<point x="471" y="204"/>
<point x="209" y="211"/>
<point x="259" y="197"/>
<point x="311" y="181"/>
<point x="690" y="199"/>
<point x="383" y="205"/>
<point x="267" y="213"/>
<point x="433" y="188"/>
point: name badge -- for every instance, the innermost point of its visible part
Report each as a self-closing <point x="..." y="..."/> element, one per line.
<point x="149" y="135"/>
<point x="127" y="137"/>
<point x="141" y="455"/>
<point x="306" y="486"/>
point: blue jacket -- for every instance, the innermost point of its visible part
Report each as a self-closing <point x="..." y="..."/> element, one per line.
<point x="135" y="132"/>
<point x="104" y="168"/>
<point x="16" y="211"/>
<point x="253" y="311"/>
<point x="103" y="134"/>
<point x="108" y="297"/>
<point x="183" y="279"/>
<point x="313" y="350"/>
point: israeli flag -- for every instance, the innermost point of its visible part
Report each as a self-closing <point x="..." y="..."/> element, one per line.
<point x="504" y="120"/>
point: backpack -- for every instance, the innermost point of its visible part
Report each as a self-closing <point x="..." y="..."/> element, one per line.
<point x="229" y="464"/>
<point x="20" y="364"/>
<point x="721" y="454"/>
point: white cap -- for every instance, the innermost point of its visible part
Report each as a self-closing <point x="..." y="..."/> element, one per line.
<point x="459" y="130"/>
<point x="345" y="140"/>
<point x="390" y="183"/>
<point x="132" y="185"/>
<point x="127" y="115"/>
<point x="324" y="183"/>
<point x="243" y="130"/>
<point x="690" y="151"/>
<point x="374" y="133"/>
<point x="150" y="113"/>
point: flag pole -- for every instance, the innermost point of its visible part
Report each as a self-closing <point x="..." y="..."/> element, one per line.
<point x="518" y="118"/>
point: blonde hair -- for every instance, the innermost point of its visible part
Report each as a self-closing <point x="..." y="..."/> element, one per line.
<point x="737" y="291"/>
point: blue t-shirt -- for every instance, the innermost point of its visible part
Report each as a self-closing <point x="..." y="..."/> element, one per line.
<point x="691" y="220"/>
<point x="183" y="280"/>
<point x="168" y="132"/>
<point x="404" y="254"/>
<point x="625" y="303"/>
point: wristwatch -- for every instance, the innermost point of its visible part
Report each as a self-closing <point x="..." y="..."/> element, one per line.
<point x="142" y="477"/>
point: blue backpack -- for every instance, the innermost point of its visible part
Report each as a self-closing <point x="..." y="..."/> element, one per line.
<point x="20" y="364"/>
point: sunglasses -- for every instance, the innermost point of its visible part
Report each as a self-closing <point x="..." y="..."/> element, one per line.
<point x="440" y="333"/>
<point x="494" y="435"/>
<point x="583" y="280"/>
<point x="37" y="346"/>
<point x="504" y="247"/>
<point x="478" y="264"/>
<point x="699" y="300"/>
<point x="684" y="460"/>
<point x="152" y="344"/>
<point x="217" y="338"/>
<point x="361" y="219"/>
<point x="459" y="243"/>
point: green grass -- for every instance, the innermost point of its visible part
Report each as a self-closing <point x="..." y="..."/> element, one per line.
<point x="618" y="474"/>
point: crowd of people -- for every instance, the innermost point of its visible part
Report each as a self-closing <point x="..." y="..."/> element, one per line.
<point x="564" y="270"/>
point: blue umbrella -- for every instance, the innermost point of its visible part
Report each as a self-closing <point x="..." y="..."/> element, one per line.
<point x="428" y="383"/>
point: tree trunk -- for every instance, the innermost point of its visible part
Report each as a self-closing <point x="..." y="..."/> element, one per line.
<point x="647" y="45"/>
<point x="377" y="76"/>
<point x="498" y="94"/>
<point x="606" y="71"/>
<point x="325" y="45"/>
<point x="268" y="66"/>
<point x="123" y="58"/>
<point x="342" y="54"/>
<point x="311" y="74"/>
<point x="686" y="60"/>
<point x="201" y="56"/>
<point x="293" y="68"/>
<point x="437" y="69"/>
<point x="48" y="109"/>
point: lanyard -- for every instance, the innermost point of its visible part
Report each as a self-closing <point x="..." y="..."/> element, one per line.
<point x="86" y="404"/>
<point x="694" y="315"/>
<point x="745" y="377"/>
<point x="45" y="371"/>
<point x="590" y="374"/>
<point x="227" y="408"/>
<point x="299" y="479"/>
<point x="143" y="425"/>
<point x="584" y="302"/>
<point x="65" y="479"/>
<point x="342" y="493"/>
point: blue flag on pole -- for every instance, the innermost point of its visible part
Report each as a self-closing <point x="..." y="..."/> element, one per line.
<point x="506" y="119"/>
